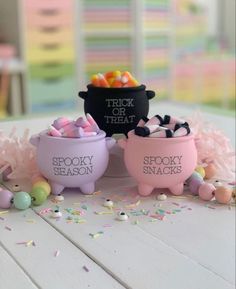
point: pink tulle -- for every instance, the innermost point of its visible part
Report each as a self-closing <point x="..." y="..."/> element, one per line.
<point x="18" y="154"/>
<point x="213" y="147"/>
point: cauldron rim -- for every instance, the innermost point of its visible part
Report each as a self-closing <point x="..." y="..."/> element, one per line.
<point x="99" y="136"/>
<point x="188" y="137"/>
<point x="115" y="89"/>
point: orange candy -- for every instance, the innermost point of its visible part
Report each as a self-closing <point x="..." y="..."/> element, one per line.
<point x="114" y="79"/>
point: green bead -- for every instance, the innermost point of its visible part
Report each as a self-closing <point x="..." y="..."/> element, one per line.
<point x="22" y="200"/>
<point x="38" y="196"/>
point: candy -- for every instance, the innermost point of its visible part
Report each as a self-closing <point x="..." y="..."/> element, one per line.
<point x="162" y="134"/>
<point x="60" y="122"/>
<point x="95" y="80"/>
<point x="56" y="214"/>
<point x="182" y="131"/>
<point x="117" y="82"/>
<point x="108" y="203"/>
<point x="200" y="170"/>
<point x="122" y="216"/>
<point x="155" y="120"/>
<point x="82" y="122"/>
<point x="143" y="121"/>
<point x="169" y="119"/>
<point x="92" y="122"/>
<point x="38" y="196"/>
<point x="161" y="197"/>
<point x="22" y="200"/>
<point x="53" y="131"/>
<point x="43" y="185"/>
<point x="210" y="171"/>
<point x="73" y="132"/>
<point x="146" y="130"/>
<point x="206" y="191"/>
<point x="5" y="199"/>
<point x="102" y="81"/>
<point x="223" y="195"/>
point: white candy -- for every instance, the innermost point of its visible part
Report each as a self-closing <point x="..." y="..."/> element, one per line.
<point x="56" y="214"/>
<point x="217" y="183"/>
<point x="122" y="216"/>
<point x="161" y="197"/>
<point x="108" y="203"/>
<point x="59" y="198"/>
<point x="16" y="188"/>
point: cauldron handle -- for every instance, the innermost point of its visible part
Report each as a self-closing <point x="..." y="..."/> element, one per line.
<point x="110" y="142"/>
<point x="150" y="94"/>
<point x="34" y="140"/>
<point x="83" y="94"/>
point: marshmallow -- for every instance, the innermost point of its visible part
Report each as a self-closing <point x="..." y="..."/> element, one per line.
<point x="60" y="122"/>
<point x="81" y="122"/>
<point x="53" y="131"/>
<point x="162" y="134"/>
<point x="169" y="119"/>
<point x="157" y="120"/>
<point x="146" y="130"/>
<point x="182" y="131"/>
<point x="143" y="121"/>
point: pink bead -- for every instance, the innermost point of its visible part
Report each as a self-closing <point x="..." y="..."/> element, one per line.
<point x="5" y="199"/>
<point x="223" y="195"/>
<point x="60" y="122"/>
<point x="206" y="191"/>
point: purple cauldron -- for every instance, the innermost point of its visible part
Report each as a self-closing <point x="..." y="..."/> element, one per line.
<point x="72" y="162"/>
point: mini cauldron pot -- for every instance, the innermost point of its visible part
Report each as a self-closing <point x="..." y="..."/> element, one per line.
<point x="159" y="162"/>
<point x="72" y="162"/>
<point x="117" y="110"/>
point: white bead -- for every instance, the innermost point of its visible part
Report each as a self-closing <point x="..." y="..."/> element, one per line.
<point x="59" y="198"/>
<point x="16" y="188"/>
<point x="122" y="216"/>
<point x="161" y="197"/>
<point x="108" y="203"/>
<point x="217" y="183"/>
<point x="56" y="214"/>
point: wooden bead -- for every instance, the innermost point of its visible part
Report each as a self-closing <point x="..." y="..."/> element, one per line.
<point x="223" y="195"/>
<point x="201" y="171"/>
<point x="210" y="171"/>
<point x="44" y="185"/>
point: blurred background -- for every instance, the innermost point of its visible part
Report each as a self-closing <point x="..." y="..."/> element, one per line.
<point x="182" y="49"/>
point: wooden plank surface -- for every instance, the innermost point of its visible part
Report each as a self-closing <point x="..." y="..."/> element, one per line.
<point x="39" y="261"/>
<point x="186" y="250"/>
<point x="12" y="274"/>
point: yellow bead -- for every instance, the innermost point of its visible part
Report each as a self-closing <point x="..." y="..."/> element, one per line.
<point x="43" y="185"/>
<point x="201" y="171"/>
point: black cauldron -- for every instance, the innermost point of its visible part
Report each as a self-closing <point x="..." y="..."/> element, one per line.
<point x="117" y="110"/>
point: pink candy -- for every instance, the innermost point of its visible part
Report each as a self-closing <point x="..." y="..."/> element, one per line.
<point x="82" y="127"/>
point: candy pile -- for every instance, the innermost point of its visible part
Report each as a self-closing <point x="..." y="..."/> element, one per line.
<point x="115" y="79"/>
<point x="206" y="190"/>
<point x="82" y="127"/>
<point x="159" y="127"/>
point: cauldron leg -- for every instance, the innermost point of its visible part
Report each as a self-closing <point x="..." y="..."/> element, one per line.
<point x="177" y="189"/>
<point x="87" y="189"/>
<point x="144" y="189"/>
<point x="56" y="188"/>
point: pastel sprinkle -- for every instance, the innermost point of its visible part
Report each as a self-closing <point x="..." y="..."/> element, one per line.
<point x="57" y="253"/>
<point x="8" y="228"/>
<point x="176" y="204"/>
<point x="84" y="207"/>
<point x="133" y="205"/>
<point x="104" y="213"/>
<point x="3" y="212"/>
<point x="85" y="268"/>
<point x="95" y="236"/>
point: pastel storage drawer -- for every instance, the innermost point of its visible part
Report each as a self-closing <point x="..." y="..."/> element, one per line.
<point x="51" y="70"/>
<point x="52" y="95"/>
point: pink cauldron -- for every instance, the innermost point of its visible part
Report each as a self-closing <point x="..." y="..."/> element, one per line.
<point x="159" y="162"/>
<point x="72" y="162"/>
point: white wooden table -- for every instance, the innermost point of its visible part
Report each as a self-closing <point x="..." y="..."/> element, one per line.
<point x="192" y="248"/>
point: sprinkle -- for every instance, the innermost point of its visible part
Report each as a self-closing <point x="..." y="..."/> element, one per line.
<point x="57" y="253"/>
<point x="152" y="220"/>
<point x="95" y="236"/>
<point x="30" y="221"/>
<point x="107" y="226"/>
<point x="3" y="212"/>
<point x="80" y="221"/>
<point x="29" y="243"/>
<point x="190" y="209"/>
<point x="210" y="207"/>
<point x="45" y="211"/>
<point x="8" y="228"/>
<point x="176" y="204"/>
<point x="158" y="217"/>
<point x="21" y="243"/>
<point x="133" y="205"/>
<point x="85" y="268"/>
<point x="104" y="213"/>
